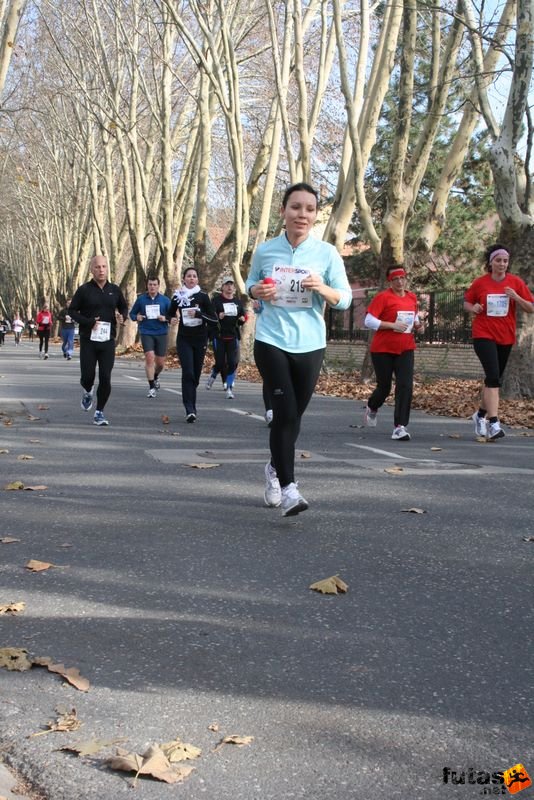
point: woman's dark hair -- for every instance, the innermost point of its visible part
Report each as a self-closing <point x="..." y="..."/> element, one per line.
<point x="188" y="269"/>
<point x="491" y="249"/>
<point x="299" y="187"/>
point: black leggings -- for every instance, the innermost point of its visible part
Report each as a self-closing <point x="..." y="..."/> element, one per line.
<point x="386" y="365"/>
<point x="191" y="352"/>
<point x="289" y="379"/>
<point x="44" y="336"/>
<point x="493" y="358"/>
<point x="91" y="354"/>
<point x="226" y="356"/>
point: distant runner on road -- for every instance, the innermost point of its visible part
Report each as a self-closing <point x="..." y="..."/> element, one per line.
<point x="150" y="311"/>
<point x="97" y="306"/>
<point x="196" y="316"/>
<point x="393" y="315"/>
<point x="493" y="299"/>
<point x="66" y="331"/>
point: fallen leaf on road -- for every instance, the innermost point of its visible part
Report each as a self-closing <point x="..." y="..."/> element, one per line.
<point x="240" y="741"/>
<point x="25" y="457"/>
<point x="66" y="721"/>
<point x="203" y="466"/>
<point x="91" y="747"/>
<point x="528" y="538"/>
<point x="394" y="470"/>
<point x="180" y="751"/>
<point x="454" y="436"/>
<point x="72" y="674"/>
<point x="436" y="449"/>
<point x="42" y="408"/>
<point x="39" y="488"/>
<point x="8" y="540"/>
<point x="332" y="585"/>
<point x="214" y="727"/>
<point x="7" y="421"/>
<point x="414" y="510"/>
<point x="4" y="452"/>
<point x="15" y="658"/>
<point x="13" y="608"/>
<point x="32" y="418"/>
<point x="165" y="419"/>
<point x="34" y="441"/>
<point x="305" y="454"/>
<point x="153" y="763"/>
<point x="14" y="486"/>
<point x="38" y="566"/>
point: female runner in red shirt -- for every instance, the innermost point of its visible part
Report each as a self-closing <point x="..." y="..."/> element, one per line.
<point x="493" y="299"/>
<point x="393" y="315"/>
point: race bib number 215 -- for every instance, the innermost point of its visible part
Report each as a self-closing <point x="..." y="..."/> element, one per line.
<point x="290" y="292"/>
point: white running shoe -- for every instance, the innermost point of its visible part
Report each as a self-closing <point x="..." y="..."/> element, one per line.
<point x="494" y="431"/>
<point x="209" y="382"/>
<point x="292" y="501"/>
<point x="481" y="425"/>
<point x="156" y="384"/>
<point x="229" y="393"/>
<point x="272" y="494"/>
<point x="268" y="416"/>
<point x="151" y="393"/>
<point x="370" y="417"/>
<point x="191" y="417"/>
<point x="99" y="419"/>
<point x="400" y="434"/>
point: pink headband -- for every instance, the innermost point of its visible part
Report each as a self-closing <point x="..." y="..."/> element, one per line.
<point x="496" y="253"/>
<point x="396" y="273"/>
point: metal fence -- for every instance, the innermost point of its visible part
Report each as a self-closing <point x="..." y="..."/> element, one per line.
<point x="442" y="311"/>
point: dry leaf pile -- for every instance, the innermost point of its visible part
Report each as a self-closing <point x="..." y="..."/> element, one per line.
<point x="16" y="658"/>
<point x="65" y="721"/>
<point x="152" y="762"/>
<point x="451" y="397"/>
<point x="13" y="608"/>
<point x="38" y="566"/>
<point x="239" y="741"/>
<point x="331" y="585"/>
<point x="164" y="761"/>
<point x="16" y="485"/>
<point x="91" y="747"/>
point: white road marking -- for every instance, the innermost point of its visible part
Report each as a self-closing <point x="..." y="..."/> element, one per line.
<point x="245" y="413"/>
<point x="380" y="452"/>
<point x="163" y="388"/>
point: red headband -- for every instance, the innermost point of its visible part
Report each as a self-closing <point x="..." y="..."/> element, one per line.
<point x="396" y="273"/>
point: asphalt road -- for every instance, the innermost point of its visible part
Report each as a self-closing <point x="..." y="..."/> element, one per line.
<point x="185" y="602"/>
